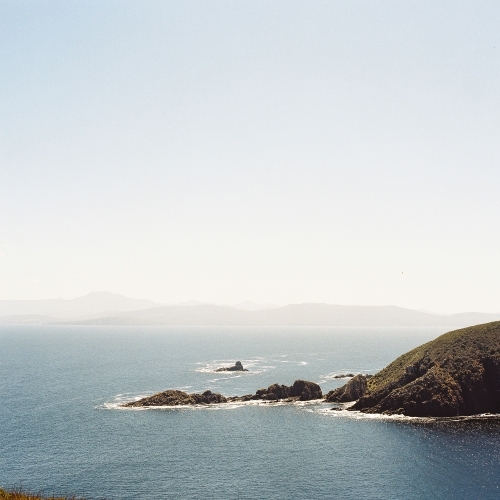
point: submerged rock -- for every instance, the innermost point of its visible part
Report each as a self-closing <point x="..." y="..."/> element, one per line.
<point x="456" y="374"/>
<point x="353" y="390"/>
<point x="238" y="367"/>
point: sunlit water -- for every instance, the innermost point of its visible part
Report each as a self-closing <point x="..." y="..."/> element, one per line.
<point x="61" y="429"/>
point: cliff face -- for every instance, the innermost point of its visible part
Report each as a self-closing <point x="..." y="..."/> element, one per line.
<point x="354" y="389"/>
<point x="456" y="374"/>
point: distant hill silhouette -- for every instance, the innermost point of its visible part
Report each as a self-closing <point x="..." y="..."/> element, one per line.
<point x="93" y="303"/>
<point x="104" y="308"/>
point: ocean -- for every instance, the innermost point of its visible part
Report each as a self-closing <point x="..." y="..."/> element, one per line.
<point x="62" y="430"/>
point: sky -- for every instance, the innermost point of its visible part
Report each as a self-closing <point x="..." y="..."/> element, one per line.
<point x="342" y="152"/>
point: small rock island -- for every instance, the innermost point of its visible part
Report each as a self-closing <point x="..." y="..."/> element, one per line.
<point x="238" y="367"/>
<point x="300" y="390"/>
<point x="457" y="374"/>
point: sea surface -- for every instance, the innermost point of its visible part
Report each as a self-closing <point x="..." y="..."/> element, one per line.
<point x="62" y="430"/>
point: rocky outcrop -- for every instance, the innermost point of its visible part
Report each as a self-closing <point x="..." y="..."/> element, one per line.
<point x="456" y="374"/>
<point x="301" y="390"/>
<point x="353" y="390"/>
<point x="178" y="398"/>
<point x="238" y="367"/>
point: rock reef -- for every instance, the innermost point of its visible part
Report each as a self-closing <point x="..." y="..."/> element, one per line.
<point x="173" y="397"/>
<point x="457" y="374"/>
<point x="301" y="390"/>
<point x="238" y="367"/>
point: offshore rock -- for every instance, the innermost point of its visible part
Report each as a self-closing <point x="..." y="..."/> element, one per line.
<point x="353" y="390"/>
<point x="456" y="374"/>
<point x="238" y="367"/>
<point x="301" y="390"/>
<point x="178" y="398"/>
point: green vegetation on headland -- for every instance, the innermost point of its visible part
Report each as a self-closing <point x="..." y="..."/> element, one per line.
<point x="19" y="494"/>
<point x="456" y="374"/>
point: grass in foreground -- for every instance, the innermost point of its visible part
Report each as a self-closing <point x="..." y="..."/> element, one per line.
<point x="20" y="494"/>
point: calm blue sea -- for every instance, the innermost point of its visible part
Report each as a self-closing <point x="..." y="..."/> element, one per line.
<point x="61" y="431"/>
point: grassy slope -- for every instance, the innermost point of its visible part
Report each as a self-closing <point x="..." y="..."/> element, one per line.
<point x="22" y="495"/>
<point x="459" y="346"/>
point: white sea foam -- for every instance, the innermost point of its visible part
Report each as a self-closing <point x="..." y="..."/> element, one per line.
<point x="344" y="412"/>
<point x="255" y="366"/>
<point x="120" y="399"/>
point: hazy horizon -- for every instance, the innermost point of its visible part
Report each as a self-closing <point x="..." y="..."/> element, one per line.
<point x="108" y="301"/>
<point x="277" y="153"/>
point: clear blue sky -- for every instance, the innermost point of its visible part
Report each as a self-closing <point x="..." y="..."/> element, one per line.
<point x="342" y="152"/>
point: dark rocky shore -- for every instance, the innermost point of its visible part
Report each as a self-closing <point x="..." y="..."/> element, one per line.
<point x="301" y="390"/>
<point x="457" y="374"/>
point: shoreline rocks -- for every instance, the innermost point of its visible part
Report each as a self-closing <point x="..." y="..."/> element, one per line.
<point x="300" y="390"/>
<point x="173" y="397"/>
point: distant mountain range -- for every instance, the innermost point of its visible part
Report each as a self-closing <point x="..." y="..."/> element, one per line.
<point x="104" y="308"/>
<point x="93" y="303"/>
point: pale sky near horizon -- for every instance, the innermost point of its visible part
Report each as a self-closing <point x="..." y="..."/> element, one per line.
<point x="282" y="152"/>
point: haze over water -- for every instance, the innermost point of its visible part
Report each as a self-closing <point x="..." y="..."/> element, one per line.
<point x="62" y="430"/>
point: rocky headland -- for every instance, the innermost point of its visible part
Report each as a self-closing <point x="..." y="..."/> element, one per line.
<point x="300" y="390"/>
<point x="238" y="367"/>
<point x="457" y="374"/>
